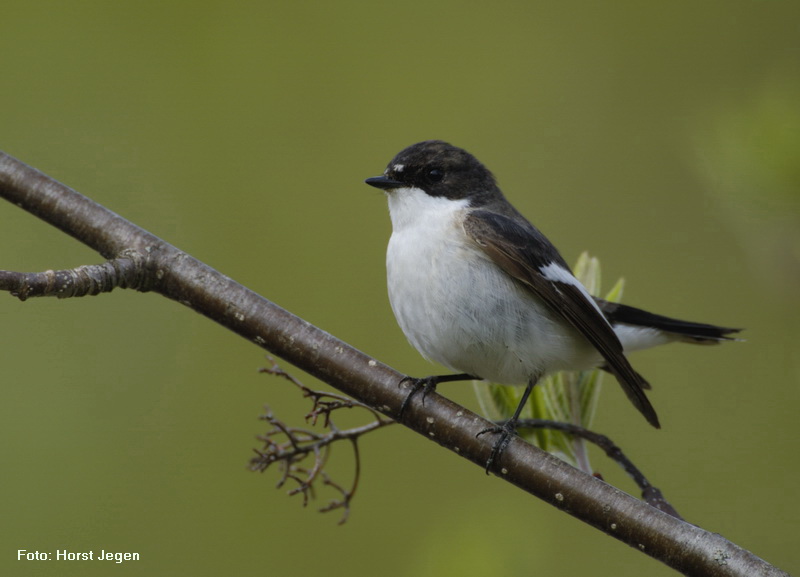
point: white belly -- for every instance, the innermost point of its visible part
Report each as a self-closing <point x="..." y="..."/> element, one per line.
<point x="458" y="309"/>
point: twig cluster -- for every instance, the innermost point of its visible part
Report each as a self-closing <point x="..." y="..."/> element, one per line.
<point x="292" y="447"/>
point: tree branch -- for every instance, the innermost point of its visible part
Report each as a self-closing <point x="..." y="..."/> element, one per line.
<point x="127" y="271"/>
<point x="178" y="276"/>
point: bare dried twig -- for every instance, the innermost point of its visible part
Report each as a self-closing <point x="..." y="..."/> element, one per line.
<point x="292" y="446"/>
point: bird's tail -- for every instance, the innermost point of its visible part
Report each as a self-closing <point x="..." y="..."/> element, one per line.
<point x="685" y="331"/>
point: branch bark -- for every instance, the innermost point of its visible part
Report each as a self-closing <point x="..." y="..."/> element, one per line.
<point x="168" y="271"/>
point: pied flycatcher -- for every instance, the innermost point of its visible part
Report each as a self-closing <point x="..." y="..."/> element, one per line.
<point x="480" y="290"/>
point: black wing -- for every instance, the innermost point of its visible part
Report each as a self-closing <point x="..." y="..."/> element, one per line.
<point x="507" y="242"/>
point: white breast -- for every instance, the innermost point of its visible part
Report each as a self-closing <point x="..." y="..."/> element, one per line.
<point x="458" y="308"/>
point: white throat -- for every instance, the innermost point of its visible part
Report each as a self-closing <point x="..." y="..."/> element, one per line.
<point x="411" y="208"/>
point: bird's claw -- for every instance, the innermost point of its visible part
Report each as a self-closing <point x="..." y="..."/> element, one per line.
<point x="507" y="431"/>
<point x="427" y="384"/>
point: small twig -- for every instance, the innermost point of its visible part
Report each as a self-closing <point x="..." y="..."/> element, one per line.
<point x="291" y="446"/>
<point x="321" y="406"/>
<point x="347" y="495"/>
<point x="650" y="494"/>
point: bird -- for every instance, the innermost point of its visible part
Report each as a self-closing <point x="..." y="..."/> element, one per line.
<point x="480" y="290"/>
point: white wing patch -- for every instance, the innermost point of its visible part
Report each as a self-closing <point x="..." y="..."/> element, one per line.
<point x="557" y="273"/>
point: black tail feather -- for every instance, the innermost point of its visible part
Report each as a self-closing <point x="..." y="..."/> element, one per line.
<point x="689" y="331"/>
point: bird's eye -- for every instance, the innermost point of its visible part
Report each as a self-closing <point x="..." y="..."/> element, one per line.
<point x="435" y="174"/>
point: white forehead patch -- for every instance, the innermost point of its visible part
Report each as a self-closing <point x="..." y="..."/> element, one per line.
<point x="399" y="167"/>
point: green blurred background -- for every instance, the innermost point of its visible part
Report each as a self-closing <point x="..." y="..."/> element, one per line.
<point x="663" y="137"/>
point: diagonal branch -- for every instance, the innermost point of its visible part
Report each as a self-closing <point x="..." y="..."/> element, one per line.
<point x="180" y="277"/>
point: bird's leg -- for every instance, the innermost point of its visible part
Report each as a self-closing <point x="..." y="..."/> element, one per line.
<point x="507" y="429"/>
<point x="428" y="385"/>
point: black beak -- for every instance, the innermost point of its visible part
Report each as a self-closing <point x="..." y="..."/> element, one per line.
<point x="384" y="183"/>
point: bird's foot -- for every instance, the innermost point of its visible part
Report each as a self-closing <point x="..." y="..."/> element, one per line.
<point x="507" y="431"/>
<point x="426" y="384"/>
